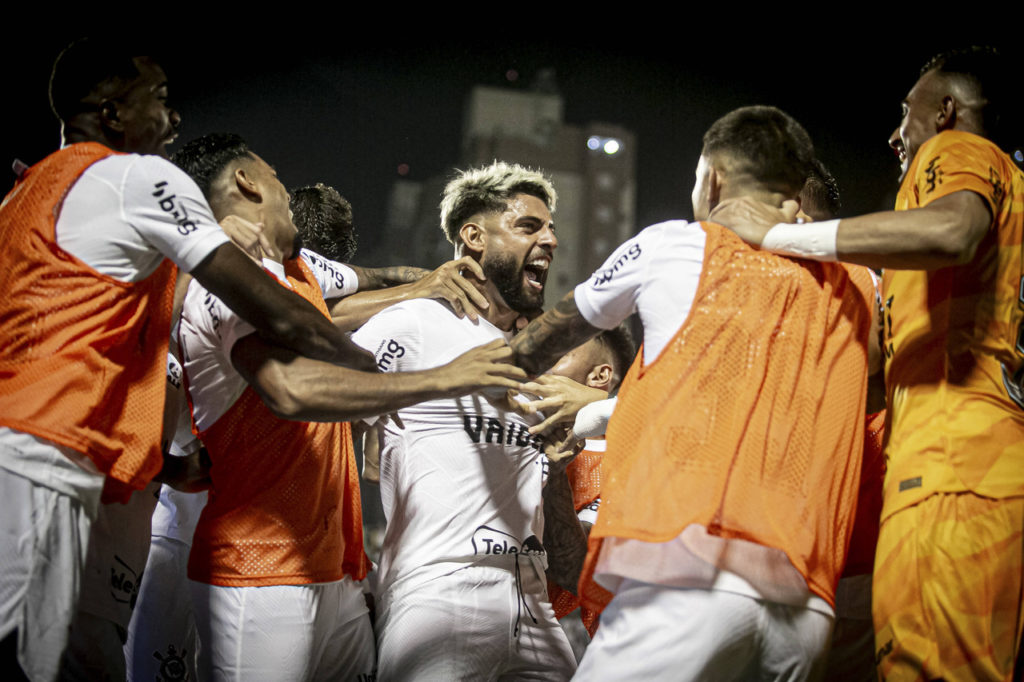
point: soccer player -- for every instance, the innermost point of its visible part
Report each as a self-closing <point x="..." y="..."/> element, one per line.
<point x="948" y="569"/>
<point x="727" y="493"/>
<point x="93" y="236"/>
<point x="573" y="488"/>
<point x="277" y="553"/>
<point x="461" y="587"/>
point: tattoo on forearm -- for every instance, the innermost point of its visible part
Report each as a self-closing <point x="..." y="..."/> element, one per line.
<point x="397" y="274"/>
<point x="551" y="336"/>
<point x="564" y="538"/>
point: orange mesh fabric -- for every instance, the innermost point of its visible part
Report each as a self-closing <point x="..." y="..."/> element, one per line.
<point x="950" y="331"/>
<point x="82" y="355"/>
<point x="750" y="422"/>
<point x="284" y="508"/>
<point x="584" y="474"/>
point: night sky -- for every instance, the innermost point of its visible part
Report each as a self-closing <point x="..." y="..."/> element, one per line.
<point x="349" y="113"/>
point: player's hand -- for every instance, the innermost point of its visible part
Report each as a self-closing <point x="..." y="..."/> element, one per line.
<point x="456" y="282"/>
<point x="751" y="219"/>
<point x="561" y="447"/>
<point x="560" y="399"/>
<point x="250" y="237"/>
<point x="486" y="366"/>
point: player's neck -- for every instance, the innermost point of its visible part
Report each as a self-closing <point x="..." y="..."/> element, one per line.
<point x="498" y="313"/>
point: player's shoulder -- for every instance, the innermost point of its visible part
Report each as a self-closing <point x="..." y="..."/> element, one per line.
<point x="427" y="308"/>
<point x="415" y="318"/>
<point x="670" y="229"/>
<point x="958" y="144"/>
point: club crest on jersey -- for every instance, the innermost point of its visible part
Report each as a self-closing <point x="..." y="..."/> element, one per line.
<point x="487" y="540"/>
<point x="490" y="430"/>
<point x="605" y="276"/>
<point x="175" y="209"/>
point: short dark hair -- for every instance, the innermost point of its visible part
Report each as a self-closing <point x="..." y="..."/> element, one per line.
<point x="765" y="143"/>
<point x="84" y="65"/>
<point x="205" y="158"/>
<point x="324" y="220"/>
<point x="619" y="342"/>
<point x="820" y="196"/>
<point x="986" y="71"/>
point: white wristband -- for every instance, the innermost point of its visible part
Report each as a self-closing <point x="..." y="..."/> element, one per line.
<point x="592" y="420"/>
<point x="816" y="241"/>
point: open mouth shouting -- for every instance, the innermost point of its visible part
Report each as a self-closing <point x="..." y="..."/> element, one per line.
<point x="535" y="272"/>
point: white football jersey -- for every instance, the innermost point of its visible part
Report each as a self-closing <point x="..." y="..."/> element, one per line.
<point x="462" y="480"/>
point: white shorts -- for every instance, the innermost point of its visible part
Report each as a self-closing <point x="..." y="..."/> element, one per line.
<point x="118" y="547"/>
<point x="43" y="538"/>
<point x="653" y="632"/>
<point x="162" y="640"/>
<point x="478" y="623"/>
<point x="283" y="632"/>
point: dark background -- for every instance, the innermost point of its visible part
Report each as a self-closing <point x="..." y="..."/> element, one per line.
<point x="348" y="109"/>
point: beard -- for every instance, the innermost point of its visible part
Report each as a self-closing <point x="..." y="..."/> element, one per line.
<point x="507" y="277"/>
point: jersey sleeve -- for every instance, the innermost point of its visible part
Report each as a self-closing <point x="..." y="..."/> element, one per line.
<point x="393" y="336"/>
<point x="168" y="210"/>
<point x="610" y="295"/>
<point x="211" y="320"/>
<point x="336" y="279"/>
<point x="956" y="162"/>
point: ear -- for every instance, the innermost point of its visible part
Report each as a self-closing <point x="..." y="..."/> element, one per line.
<point x="110" y="117"/>
<point x="946" y="118"/>
<point x="473" y="238"/>
<point x="245" y="184"/>
<point x="600" y="376"/>
<point x="715" y="181"/>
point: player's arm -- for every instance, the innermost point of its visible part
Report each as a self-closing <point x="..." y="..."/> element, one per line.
<point x="169" y="212"/>
<point x="283" y="317"/>
<point x="295" y="387"/>
<point x="380" y="278"/>
<point x="551" y="336"/>
<point x="945" y="232"/>
<point x="453" y="282"/>
<point x="565" y="539"/>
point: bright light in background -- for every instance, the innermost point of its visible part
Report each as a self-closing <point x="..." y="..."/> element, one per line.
<point x="403" y="169"/>
<point x="609" y="145"/>
<point x="1019" y="155"/>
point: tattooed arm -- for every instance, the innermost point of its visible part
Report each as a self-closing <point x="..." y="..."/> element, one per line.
<point x="455" y="282"/>
<point x="379" y="278"/>
<point x="551" y="336"/>
<point x="565" y="537"/>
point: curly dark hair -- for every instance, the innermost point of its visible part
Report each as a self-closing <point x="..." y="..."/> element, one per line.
<point x="324" y="219"/>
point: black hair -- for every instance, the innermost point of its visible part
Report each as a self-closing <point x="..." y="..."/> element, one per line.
<point x="765" y="143"/>
<point x="619" y="342"/>
<point x="324" y="220"/>
<point x="987" y="72"/>
<point x="205" y="158"/>
<point x="820" y="195"/>
<point x="84" y="65"/>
